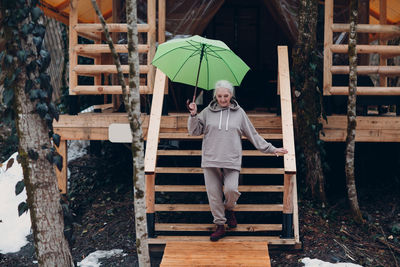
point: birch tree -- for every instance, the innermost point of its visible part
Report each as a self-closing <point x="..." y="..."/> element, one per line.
<point x="351" y="115"/>
<point x="28" y="92"/>
<point x="308" y="97"/>
<point x="132" y="104"/>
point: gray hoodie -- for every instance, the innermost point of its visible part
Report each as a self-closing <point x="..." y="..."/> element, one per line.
<point x="223" y="129"/>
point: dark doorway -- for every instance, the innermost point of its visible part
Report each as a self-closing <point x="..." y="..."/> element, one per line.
<point x="249" y="29"/>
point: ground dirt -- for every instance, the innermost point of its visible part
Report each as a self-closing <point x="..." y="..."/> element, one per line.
<point x="101" y="215"/>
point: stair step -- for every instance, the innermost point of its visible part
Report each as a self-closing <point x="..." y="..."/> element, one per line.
<point x="198" y="153"/>
<point x="200" y="170"/>
<point x="164" y="135"/>
<point x="275" y="240"/>
<point x="211" y="227"/>
<point x="206" y="253"/>
<point x="206" y="207"/>
<point x="236" y="254"/>
<point x="202" y="188"/>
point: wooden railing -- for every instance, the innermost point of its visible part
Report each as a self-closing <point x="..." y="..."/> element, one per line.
<point x="290" y="208"/>
<point x="95" y="51"/>
<point x="385" y="51"/>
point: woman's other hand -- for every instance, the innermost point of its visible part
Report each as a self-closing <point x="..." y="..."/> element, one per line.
<point x="280" y="150"/>
<point x="192" y="108"/>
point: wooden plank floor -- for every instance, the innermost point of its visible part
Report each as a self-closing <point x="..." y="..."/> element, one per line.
<point x="216" y="254"/>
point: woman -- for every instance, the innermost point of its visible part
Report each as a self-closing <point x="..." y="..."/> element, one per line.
<point x="223" y="122"/>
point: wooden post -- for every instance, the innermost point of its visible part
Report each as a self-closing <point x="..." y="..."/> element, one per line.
<point x="286" y="109"/>
<point x="97" y="59"/>
<point x="161" y="21"/>
<point x="363" y="38"/>
<point x="288" y="190"/>
<point x="288" y="142"/>
<point x="152" y="146"/>
<point x="151" y="41"/>
<point x="382" y="58"/>
<point x="150" y="203"/>
<point x="116" y="9"/>
<point x="328" y="40"/>
<point x="73" y="40"/>
<point x="62" y="176"/>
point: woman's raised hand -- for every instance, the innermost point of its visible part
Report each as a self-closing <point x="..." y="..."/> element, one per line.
<point x="192" y="108"/>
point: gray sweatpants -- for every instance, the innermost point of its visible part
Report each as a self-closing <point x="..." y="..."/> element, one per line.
<point x="221" y="182"/>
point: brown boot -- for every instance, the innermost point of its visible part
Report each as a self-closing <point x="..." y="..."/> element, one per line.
<point x="230" y="218"/>
<point x="218" y="234"/>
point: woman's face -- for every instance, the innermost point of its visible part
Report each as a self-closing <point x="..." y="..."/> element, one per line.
<point x="223" y="96"/>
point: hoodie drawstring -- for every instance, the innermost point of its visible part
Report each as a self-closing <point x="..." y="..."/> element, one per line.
<point x="227" y="121"/>
<point x="220" y="121"/>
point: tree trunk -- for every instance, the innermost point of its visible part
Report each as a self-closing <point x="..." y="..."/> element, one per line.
<point x="351" y="115"/>
<point x="43" y="196"/>
<point x="308" y="98"/>
<point x="132" y="105"/>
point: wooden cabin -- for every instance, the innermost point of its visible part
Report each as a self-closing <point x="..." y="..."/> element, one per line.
<point x="262" y="33"/>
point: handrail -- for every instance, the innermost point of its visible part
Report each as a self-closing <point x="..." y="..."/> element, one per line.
<point x="154" y="122"/>
<point x="286" y="109"/>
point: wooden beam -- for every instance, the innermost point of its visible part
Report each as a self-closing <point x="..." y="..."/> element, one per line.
<point x="161" y="21"/>
<point x="62" y="176"/>
<point x="206" y="207"/>
<point x="210" y="227"/>
<point x="63" y="5"/>
<point x="366" y="70"/>
<point x="288" y="183"/>
<point x="274" y="240"/>
<point x="151" y="41"/>
<point x="73" y="40"/>
<point x="328" y="41"/>
<point x="295" y="211"/>
<point x="202" y="188"/>
<point x="200" y="170"/>
<point x="367" y="28"/>
<point x="96" y="69"/>
<point x="104" y="48"/>
<point x="112" y="27"/>
<point x="97" y="58"/>
<point x="198" y="153"/>
<point x="104" y="89"/>
<point x="286" y="109"/>
<point x="365" y="90"/>
<point x="154" y="124"/>
<point x="382" y="58"/>
<point x="368" y="49"/>
<point x="61" y="17"/>
<point x="150" y="193"/>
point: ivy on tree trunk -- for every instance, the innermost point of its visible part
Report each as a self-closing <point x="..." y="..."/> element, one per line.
<point x="351" y="115"/>
<point x="28" y="89"/>
<point x="308" y="98"/>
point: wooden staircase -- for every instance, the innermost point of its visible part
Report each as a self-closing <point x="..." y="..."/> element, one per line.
<point x="177" y="208"/>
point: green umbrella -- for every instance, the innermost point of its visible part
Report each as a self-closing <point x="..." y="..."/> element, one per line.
<point x="200" y="62"/>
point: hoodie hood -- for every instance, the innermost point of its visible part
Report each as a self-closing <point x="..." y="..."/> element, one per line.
<point x="215" y="107"/>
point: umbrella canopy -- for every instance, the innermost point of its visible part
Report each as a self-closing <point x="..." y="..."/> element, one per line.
<point x="199" y="62"/>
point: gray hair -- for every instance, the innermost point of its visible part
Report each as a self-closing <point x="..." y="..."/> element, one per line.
<point x="224" y="84"/>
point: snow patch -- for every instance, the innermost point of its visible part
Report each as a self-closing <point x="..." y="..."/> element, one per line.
<point x="92" y="260"/>
<point x="13" y="228"/>
<point x="76" y="149"/>
<point x="318" y="263"/>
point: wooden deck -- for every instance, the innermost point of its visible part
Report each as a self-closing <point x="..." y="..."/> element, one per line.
<point x="206" y="253"/>
<point x="94" y="126"/>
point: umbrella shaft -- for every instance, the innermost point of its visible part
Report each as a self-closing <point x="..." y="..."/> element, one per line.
<point x="198" y="71"/>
